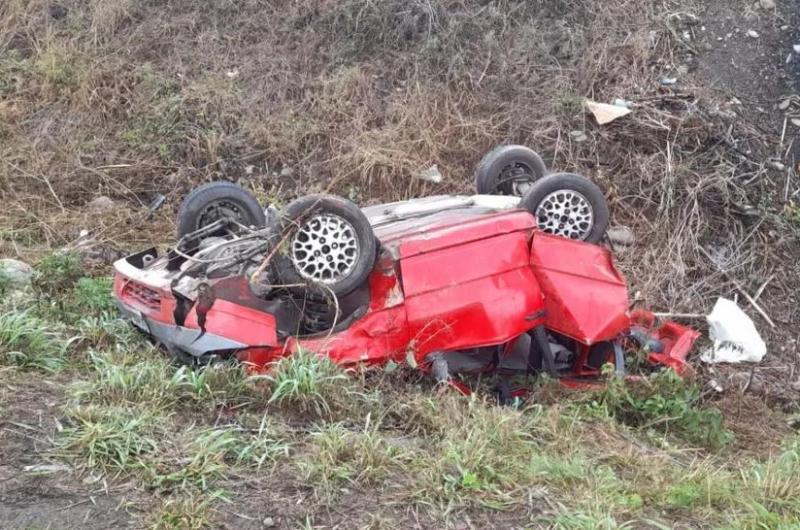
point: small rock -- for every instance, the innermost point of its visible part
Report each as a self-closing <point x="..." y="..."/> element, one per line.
<point x="796" y="48"/>
<point x="287" y="172"/>
<point x="621" y="235"/>
<point x="94" y="254"/>
<point x="742" y="382"/>
<point x="268" y="522"/>
<point x="432" y="174"/>
<point x="58" y="12"/>
<point x="766" y="4"/>
<point x="19" y="273"/>
<point x="796" y="122"/>
<point x="669" y="80"/>
<point x="752" y="33"/>
<point x="102" y="204"/>
<point x="578" y="136"/>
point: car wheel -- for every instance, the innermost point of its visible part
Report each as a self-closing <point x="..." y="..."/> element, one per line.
<point x="509" y="170"/>
<point x="328" y="242"/>
<point x="568" y="205"/>
<point x="217" y="200"/>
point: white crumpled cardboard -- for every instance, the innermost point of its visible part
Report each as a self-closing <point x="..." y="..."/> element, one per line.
<point x="734" y="335"/>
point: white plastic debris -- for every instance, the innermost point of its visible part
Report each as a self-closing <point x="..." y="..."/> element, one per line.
<point x="734" y="335"/>
<point x="605" y="113"/>
<point x="432" y="174"/>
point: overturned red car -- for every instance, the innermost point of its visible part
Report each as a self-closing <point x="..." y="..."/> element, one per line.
<point x="514" y="279"/>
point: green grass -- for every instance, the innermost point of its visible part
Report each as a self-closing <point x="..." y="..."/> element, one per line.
<point x="309" y="382"/>
<point x="56" y="275"/>
<point x="629" y="456"/>
<point x="184" y="512"/>
<point x="29" y="342"/>
<point x="339" y="456"/>
<point x="666" y="403"/>
<point x="113" y="439"/>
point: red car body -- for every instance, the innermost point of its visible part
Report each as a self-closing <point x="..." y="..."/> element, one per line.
<point x="449" y="279"/>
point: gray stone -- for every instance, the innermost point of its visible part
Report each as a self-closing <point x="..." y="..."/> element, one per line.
<point x="268" y="522"/>
<point x="578" y="136"/>
<point x="742" y="382"/>
<point x="102" y="204"/>
<point x="18" y="272"/>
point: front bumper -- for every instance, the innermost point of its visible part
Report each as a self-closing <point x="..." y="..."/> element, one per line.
<point x="179" y="339"/>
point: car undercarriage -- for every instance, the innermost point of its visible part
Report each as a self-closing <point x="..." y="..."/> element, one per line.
<point x="451" y="285"/>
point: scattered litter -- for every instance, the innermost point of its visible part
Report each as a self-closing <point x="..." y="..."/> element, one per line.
<point x="268" y="522"/>
<point x="796" y="48"/>
<point x="605" y="113"/>
<point x="715" y="386"/>
<point x="578" y="136"/>
<point x="432" y="174"/>
<point x="619" y="102"/>
<point x="232" y="73"/>
<point x="734" y="335"/>
<point x="766" y="4"/>
<point x="287" y="172"/>
<point x="46" y="468"/>
<point x="669" y="80"/>
<point x="752" y="33"/>
<point x="157" y="202"/>
<point x="774" y="164"/>
<point x="795" y="122"/>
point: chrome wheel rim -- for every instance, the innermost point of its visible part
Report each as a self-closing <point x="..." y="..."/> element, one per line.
<point x="325" y="249"/>
<point x="565" y="213"/>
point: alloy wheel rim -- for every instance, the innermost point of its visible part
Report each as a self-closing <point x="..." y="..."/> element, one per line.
<point x="565" y="213"/>
<point x="325" y="249"/>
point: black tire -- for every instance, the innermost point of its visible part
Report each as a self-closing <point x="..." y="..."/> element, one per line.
<point x="503" y="166"/>
<point x="546" y="187"/>
<point x="297" y="216"/>
<point x="197" y="209"/>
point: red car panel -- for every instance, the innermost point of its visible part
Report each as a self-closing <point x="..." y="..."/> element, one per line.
<point x="584" y="295"/>
<point x="470" y="295"/>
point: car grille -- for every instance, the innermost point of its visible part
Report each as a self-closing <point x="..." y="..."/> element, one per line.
<point x="142" y="296"/>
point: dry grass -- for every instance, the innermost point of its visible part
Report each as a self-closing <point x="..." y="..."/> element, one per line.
<point x="134" y="99"/>
<point x="360" y="96"/>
